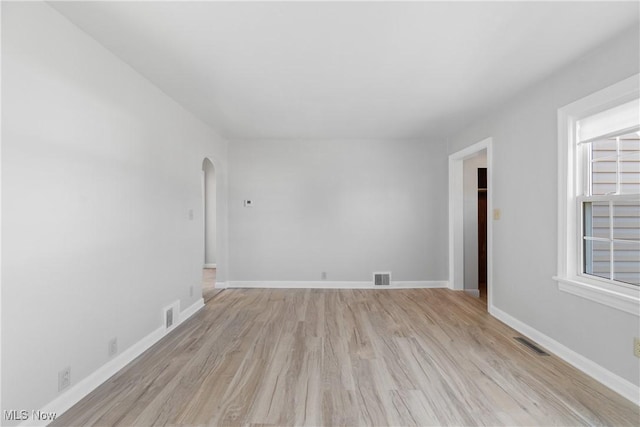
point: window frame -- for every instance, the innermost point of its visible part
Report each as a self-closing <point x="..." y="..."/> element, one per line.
<point x="570" y="277"/>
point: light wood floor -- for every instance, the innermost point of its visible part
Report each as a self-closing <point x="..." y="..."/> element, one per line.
<point x="346" y="357"/>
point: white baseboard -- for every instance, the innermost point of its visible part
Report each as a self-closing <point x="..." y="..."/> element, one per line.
<point x="221" y="285"/>
<point x="324" y="284"/>
<point x="616" y="383"/>
<point x="191" y="310"/>
<point x="473" y="292"/>
<point x="210" y="266"/>
<point x="77" y="392"/>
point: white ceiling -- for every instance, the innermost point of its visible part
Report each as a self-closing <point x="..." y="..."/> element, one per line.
<point x="346" y="70"/>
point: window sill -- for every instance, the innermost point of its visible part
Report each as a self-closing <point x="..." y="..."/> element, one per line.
<point x="619" y="297"/>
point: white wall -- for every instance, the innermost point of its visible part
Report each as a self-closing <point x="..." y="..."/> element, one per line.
<point x="345" y="207"/>
<point x="100" y="171"/>
<point x="525" y="185"/>
<point x="470" y="191"/>
<point x="210" y="213"/>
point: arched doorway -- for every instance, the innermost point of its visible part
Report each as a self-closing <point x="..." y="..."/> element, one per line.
<point x="210" y="230"/>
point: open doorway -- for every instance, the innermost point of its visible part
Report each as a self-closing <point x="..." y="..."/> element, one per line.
<point x="470" y="239"/>
<point x="474" y="201"/>
<point x="210" y="231"/>
<point x="482" y="233"/>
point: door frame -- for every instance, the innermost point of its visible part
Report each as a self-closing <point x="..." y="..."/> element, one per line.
<point x="205" y="197"/>
<point x="456" y="216"/>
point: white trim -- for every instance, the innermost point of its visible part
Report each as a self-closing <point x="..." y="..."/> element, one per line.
<point x="221" y="285"/>
<point x="616" y="383"/>
<point x="79" y="391"/>
<point x="473" y="292"/>
<point x="210" y="266"/>
<point x="191" y="310"/>
<point x="615" y="296"/>
<point x="294" y="284"/>
<point x="456" y="221"/>
<point x="456" y="215"/>
<point x="569" y="275"/>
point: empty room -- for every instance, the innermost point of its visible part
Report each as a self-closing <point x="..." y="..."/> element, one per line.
<point x="320" y="213"/>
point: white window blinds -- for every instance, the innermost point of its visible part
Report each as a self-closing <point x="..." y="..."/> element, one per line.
<point x="621" y="119"/>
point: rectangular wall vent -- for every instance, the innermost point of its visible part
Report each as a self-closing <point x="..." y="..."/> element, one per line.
<point x="170" y="315"/>
<point x="169" y="318"/>
<point x="382" y="279"/>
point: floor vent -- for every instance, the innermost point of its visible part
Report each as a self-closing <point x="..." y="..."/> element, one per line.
<point x="381" y="279"/>
<point x="531" y="345"/>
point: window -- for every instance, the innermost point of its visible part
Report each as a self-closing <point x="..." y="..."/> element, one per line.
<point x="599" y="197"/>
<point x="608" y="154"/>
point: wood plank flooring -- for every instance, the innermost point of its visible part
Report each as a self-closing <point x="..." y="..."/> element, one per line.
<point x="347" y="357"/>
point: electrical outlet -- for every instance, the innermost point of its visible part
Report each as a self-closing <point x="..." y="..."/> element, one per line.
<point x="323" y="275"/>
<point x="64" y="378"/>
<point x="636" y="346"/>
<point x="497" y="214"/>
<point x="113" y="347"/>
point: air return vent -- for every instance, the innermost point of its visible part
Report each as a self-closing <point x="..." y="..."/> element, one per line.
<point x="170" y="315"/>
<point x="168" y="319"/>
<point x="382" y="279"/>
